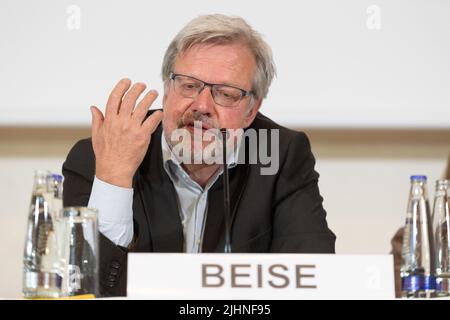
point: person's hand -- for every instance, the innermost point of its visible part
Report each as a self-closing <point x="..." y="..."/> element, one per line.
<point x="121" y="138"/>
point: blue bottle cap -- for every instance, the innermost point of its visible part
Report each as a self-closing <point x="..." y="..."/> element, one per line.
<point x="418" y="177"/>
<point x="418" y="283"/>
<point x="57" y="177"/>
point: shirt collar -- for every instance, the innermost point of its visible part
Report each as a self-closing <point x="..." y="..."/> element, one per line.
<point x="232" y="157"/>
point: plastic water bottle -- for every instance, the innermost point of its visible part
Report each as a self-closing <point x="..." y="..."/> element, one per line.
<point x="418" y="268"/>
<point x="441" y="222"/>
<point x="55" y="187"/>
<point x="40" y="274"/>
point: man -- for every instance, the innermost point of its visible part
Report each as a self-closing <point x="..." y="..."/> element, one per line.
<point x="216" y="72"/>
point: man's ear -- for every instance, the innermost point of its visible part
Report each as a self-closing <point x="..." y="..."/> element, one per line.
<point x="251" y="113"/>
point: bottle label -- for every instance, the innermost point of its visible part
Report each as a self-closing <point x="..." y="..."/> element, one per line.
<point x="418" y="283"/>
<point x="31" y="280"/>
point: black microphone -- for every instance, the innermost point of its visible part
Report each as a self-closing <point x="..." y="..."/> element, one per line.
<point x="226" y="193"/>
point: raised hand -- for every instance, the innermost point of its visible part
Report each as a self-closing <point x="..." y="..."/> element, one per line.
<point x="121" y="138"/>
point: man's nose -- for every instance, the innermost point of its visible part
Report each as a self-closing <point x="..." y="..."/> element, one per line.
<point x="204" y="102"/>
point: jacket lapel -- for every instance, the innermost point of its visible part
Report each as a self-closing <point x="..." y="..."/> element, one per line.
<point x="160" y="201"/>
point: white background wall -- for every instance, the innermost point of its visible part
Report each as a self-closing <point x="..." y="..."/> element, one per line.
<point x="363" y="58"/>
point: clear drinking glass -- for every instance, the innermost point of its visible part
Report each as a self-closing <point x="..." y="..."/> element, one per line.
<point x="77" y="238"/>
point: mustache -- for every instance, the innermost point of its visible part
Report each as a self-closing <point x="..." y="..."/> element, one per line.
<point x="191" y="117"/>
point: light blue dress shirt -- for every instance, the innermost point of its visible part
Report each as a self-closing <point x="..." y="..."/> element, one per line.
<point x="115" y="204"/>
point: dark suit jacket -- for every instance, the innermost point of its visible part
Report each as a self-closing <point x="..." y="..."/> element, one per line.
<point x="279" y="213"/>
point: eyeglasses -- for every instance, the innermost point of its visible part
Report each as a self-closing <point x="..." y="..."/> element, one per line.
<point x="224" y="95"/>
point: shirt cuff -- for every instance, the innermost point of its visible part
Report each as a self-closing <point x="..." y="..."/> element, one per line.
<point x="115" y="211"/>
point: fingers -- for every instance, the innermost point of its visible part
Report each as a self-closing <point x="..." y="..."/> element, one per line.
<point x="122" y="102"/>
<point x="142" y="108"/>
<point x="115" y="98"/>
<point x="130" y="98"/>
<point x="152" y="122"/>
<point x="97" y="120"/>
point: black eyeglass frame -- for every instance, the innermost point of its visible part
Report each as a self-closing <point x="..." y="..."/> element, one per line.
<point x="172" y="76"/>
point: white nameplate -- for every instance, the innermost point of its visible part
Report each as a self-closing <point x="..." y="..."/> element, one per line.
<point x="259" y="276"/>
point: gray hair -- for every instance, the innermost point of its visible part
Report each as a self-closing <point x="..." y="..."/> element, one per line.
<point x="222" y="29"/>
